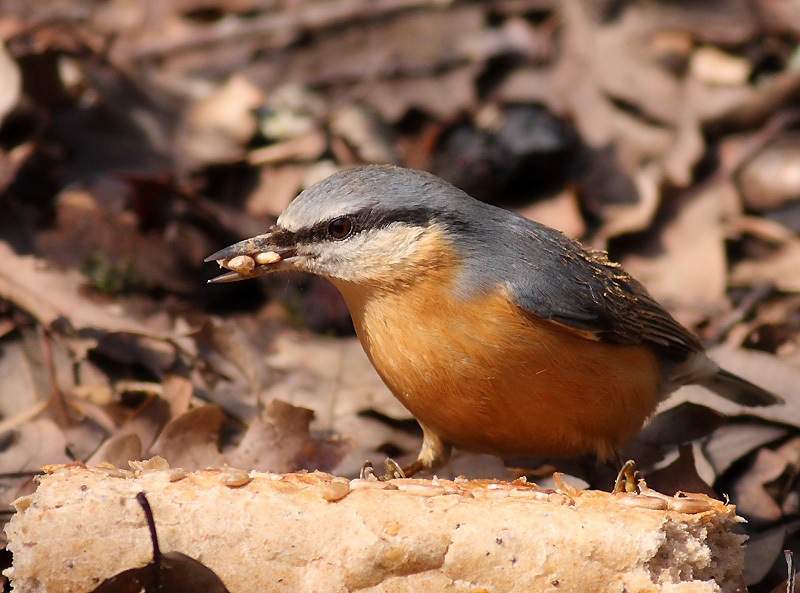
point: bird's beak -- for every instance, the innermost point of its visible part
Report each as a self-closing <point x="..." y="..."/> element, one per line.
<point x="251" y="258"/>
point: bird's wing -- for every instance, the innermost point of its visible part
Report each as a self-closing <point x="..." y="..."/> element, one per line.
<point x="582" y="290"/>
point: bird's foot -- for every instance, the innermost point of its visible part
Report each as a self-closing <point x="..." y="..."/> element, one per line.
<point x="393" y="471"/>
<point x="628" y="478"/>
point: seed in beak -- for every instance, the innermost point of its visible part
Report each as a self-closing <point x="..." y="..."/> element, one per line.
<point x="243" y="264"/>
<point x="267" y="257"/>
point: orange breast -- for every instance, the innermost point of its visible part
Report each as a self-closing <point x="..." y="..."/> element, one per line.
<point x="486" y="377"/>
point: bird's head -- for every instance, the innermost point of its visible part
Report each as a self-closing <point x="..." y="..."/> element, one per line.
<point x="377" y="225"/>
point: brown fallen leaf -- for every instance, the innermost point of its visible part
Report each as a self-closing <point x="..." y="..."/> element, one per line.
<point x="307" y="147"/>
<point x="191" y="441"/>
<point x="26" y="450"/>
<point x="177" y="392"/>
<point x="217" y="127"/>
<point x="734" y="440"/>
<point x="752" y="499"/>
<point x="763" y="549"/>
<point x="236" y="366"/>
<point x="451" y="93"/>
<point x="276" y="187"/>
<point x="684" y="263"/>
<point x="623" y="217"/>
<point x="680" y="475"/>
<point x="136" y="435"/>
<point x="279" y="441"/>
<point x="32" y="445"/>
<point x="770" y="179"/>
<point x="20" y="388"/>
<point x="681" y="424"/>
<point x="97" y="231"/>
<point x="713" y="66"/>
<point x="334" y="378"/>
<point x="10" y="82"/>
<point x="50" y="295"/>
<point x="365" y="132"/>
<point x="781" y="269"/>
<point x="118" y="450"/>
<point x="409" y="44"/>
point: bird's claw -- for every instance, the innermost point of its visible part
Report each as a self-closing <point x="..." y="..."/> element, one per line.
<point x="628" y="478"/>
<point x="393" y="471"/>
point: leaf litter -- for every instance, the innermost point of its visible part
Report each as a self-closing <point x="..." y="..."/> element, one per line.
<point x="137" y="138"/>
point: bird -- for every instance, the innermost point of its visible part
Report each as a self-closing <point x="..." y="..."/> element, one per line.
<point x="499" y="334"/>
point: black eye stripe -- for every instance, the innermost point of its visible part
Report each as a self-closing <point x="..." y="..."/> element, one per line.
<point x="362" y="221"/>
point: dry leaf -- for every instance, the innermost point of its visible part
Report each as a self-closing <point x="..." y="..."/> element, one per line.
<point x="451" y="93"/>
<point x="681" y="475"/>
<point x="19" y="388"/>
<point x="752" y="501"/>
<point x="118" y="450"/>
<point x="277" y="186"/>
<point x="305" y="147"/>
<point x="10" y="82"/>
<point x="713" y="66"/>
<point x="96" y="233"/>
<point x="178" y="392"/>
<point x="34" y="444"/>
<point x="771" y="178"/>
<point x="191" y="441"/>
<point x="781" y="269"/>
<point x="279" y="441"/>
<point x="762" y="550"/>
<point x="134" y="437"/>
<point x="365" y="132"/>
<point x="622" y="217"/>
<point x="733" y="441"/>
<point x="218" y="126"/>
<point x="50" y="295"/>
<point x="681" y="424"/>
<point x="684" y="265"/>
<point x="332" y="376"/>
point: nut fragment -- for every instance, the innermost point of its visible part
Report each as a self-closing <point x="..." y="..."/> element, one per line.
<point x="233" y="478"/>
<point x="336" y="490"/>
<point x="643" y="501"/>
<point x="420" y="488"/>
<point x="267" y="257"/>
<point x="177" y="474"/>
<point x="690" y="506"/>
<point x="243" y="264"/>
<point x="156" y="462"/>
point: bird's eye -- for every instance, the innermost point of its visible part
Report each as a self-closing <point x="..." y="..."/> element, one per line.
<point x="341" y="228"/>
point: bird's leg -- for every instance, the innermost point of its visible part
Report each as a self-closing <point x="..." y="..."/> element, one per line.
<point x="628" y="478"/>
<point x="434" y="453"/>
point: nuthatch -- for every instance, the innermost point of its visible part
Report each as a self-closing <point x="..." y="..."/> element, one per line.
<point x="500" y="335"/>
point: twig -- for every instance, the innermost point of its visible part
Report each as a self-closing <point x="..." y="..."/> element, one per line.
<point x="57" y="396"/>
<point x="763" y="137"/>
<point x="287" y="24"/>
<point x="717" y="331"/>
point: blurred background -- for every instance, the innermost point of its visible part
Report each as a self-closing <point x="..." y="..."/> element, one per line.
<point x="139" y="136"/>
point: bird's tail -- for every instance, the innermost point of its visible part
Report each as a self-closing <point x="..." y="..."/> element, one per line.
<point x="739" y="390"/>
